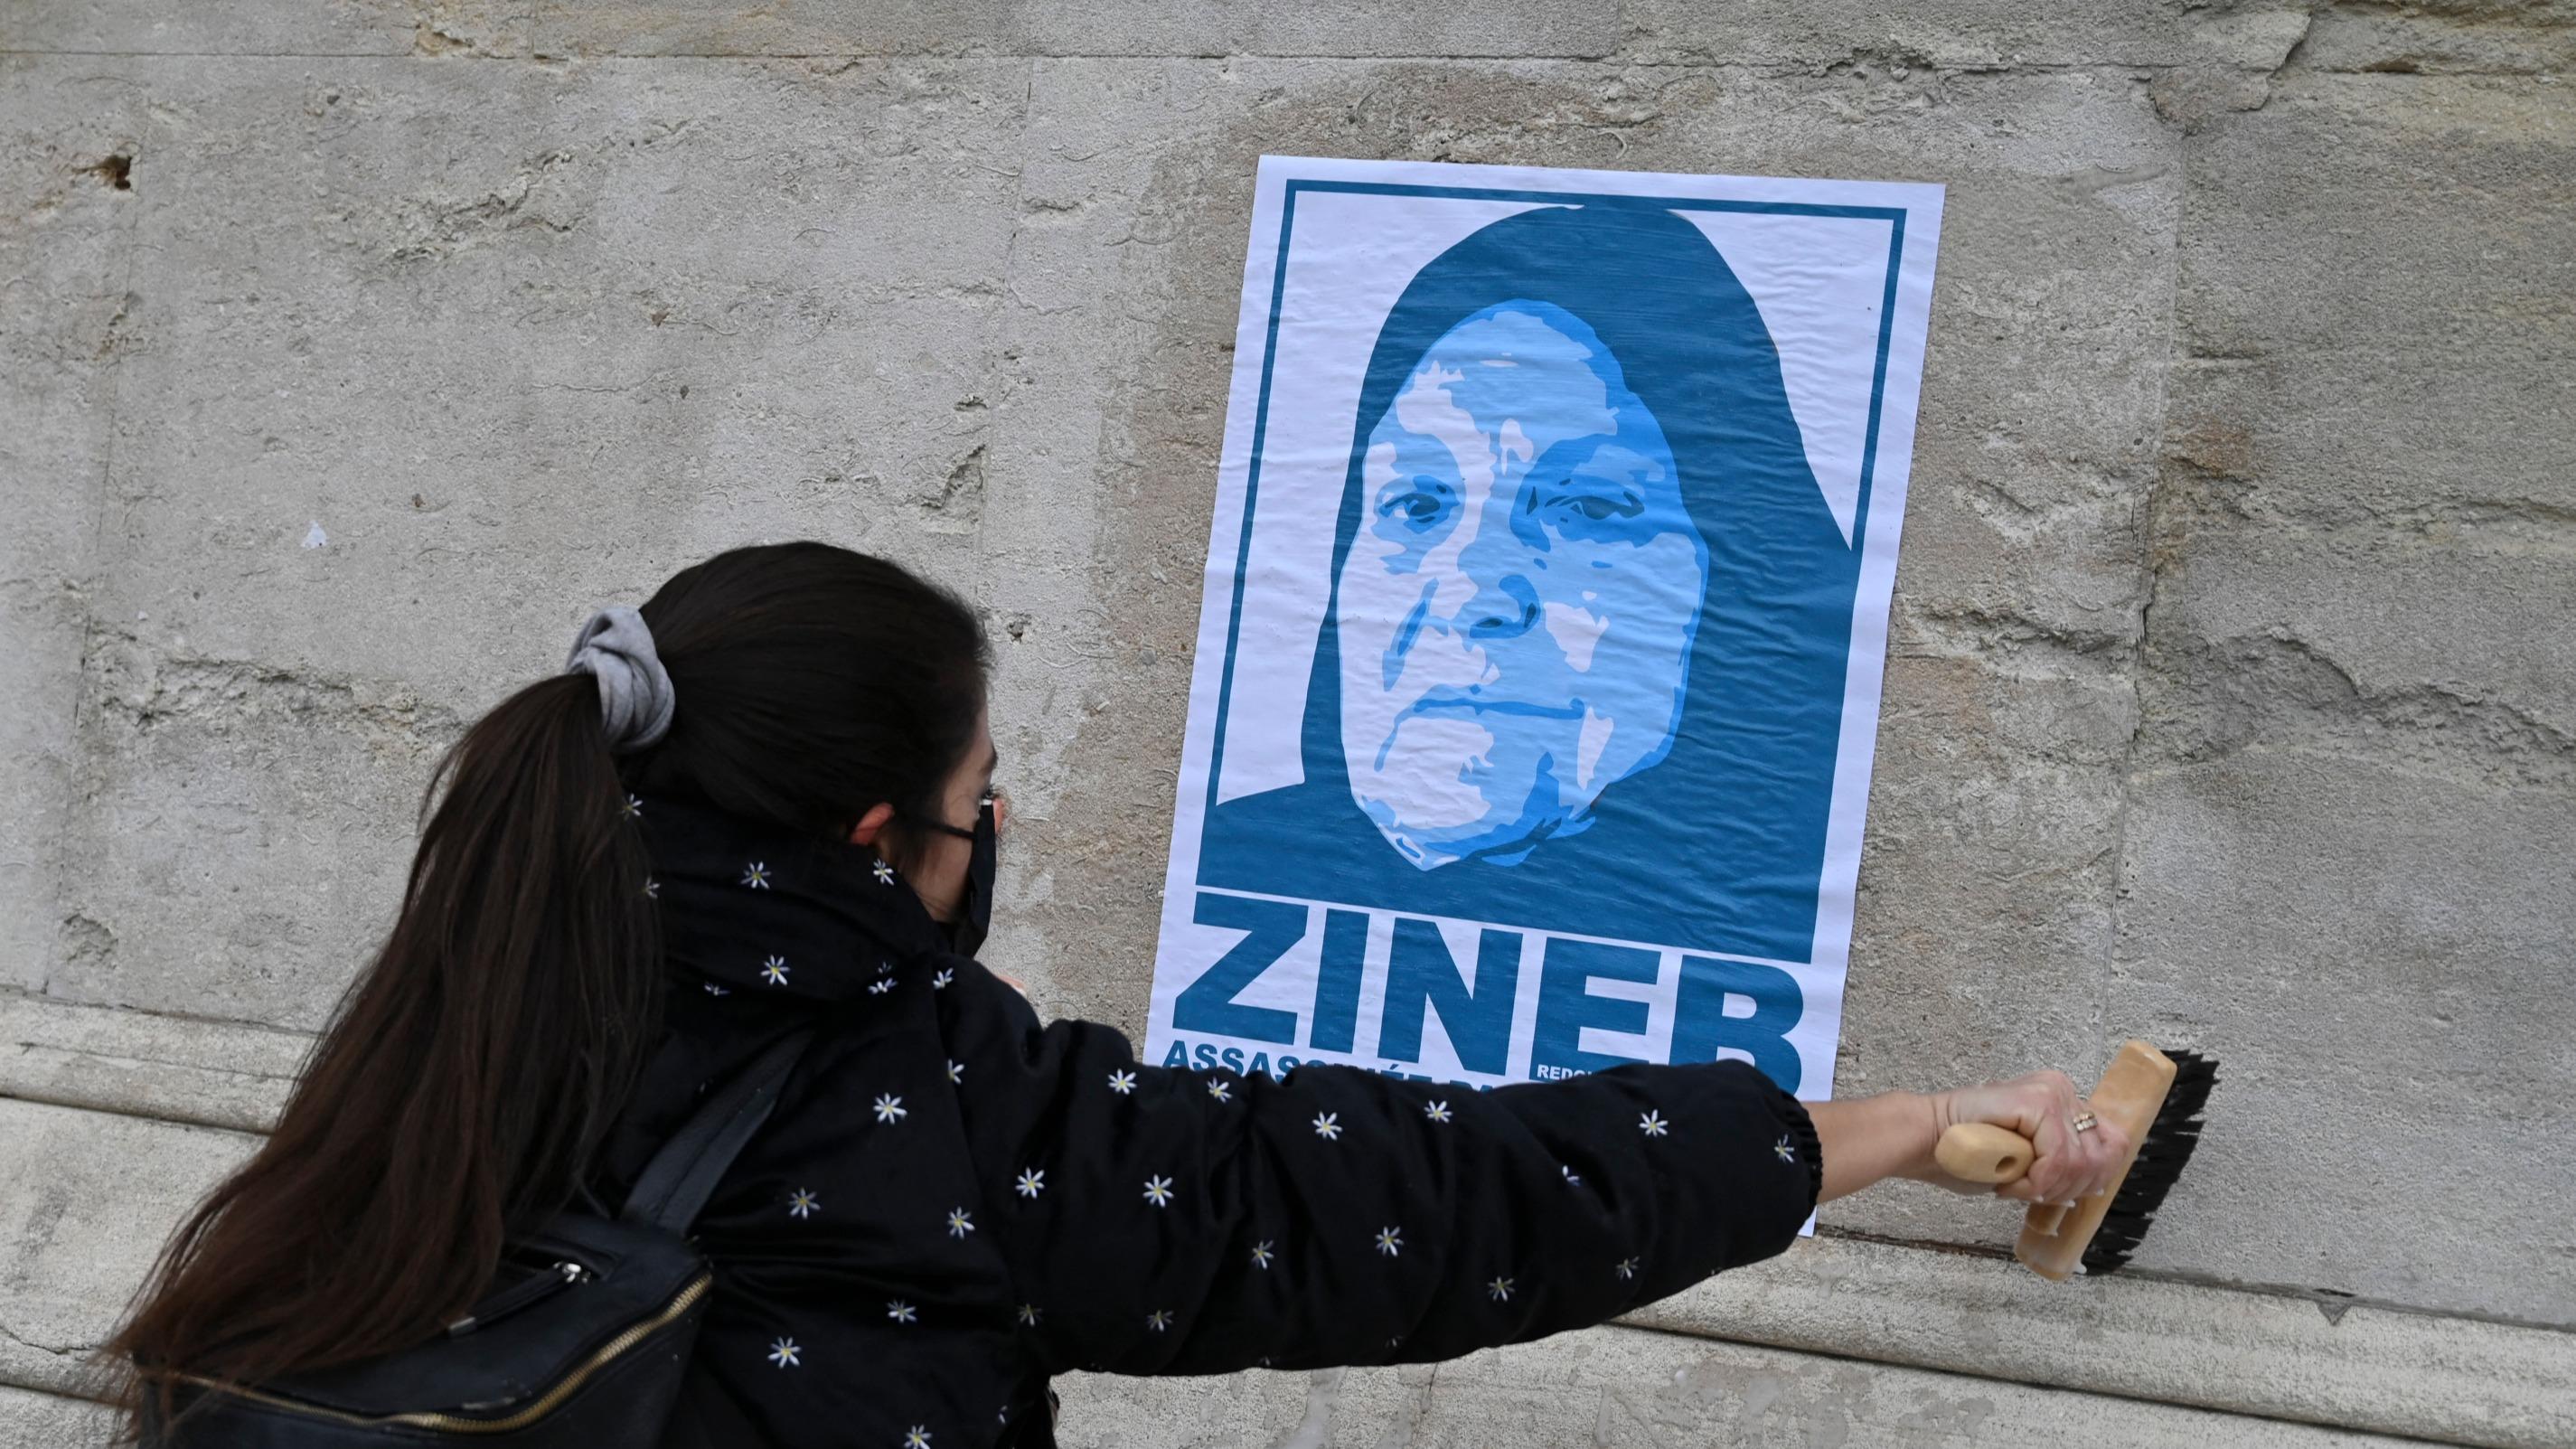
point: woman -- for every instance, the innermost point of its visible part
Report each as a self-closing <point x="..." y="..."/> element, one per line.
<point x="1584" y="662"/>
<point x="762" y="803"/>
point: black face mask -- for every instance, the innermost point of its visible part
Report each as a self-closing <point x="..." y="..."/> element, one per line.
<point x="975" y="913"/>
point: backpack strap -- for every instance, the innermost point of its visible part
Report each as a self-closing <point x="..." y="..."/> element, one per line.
<point x="684" y="1173"/>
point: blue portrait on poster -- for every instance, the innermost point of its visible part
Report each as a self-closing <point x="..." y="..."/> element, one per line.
<point x="1546" y="597"/>
<point x="1584" y="659"/>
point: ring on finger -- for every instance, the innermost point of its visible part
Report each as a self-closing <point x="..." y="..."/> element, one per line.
<point x="2086" y="1121"/>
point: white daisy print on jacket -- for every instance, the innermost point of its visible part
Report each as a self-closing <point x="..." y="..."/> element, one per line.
<point x="884" y="873"/>
<point x="1031" y="1183"/>
<point x="1328" y="1125"/>
<point x="956" y="1073"/>
<point x="783" y="1353"/>
<point x="802" y="1204"/>
<point x="634" y="806"/>
<point x="756" y="876"/>
<point x="1500" y="1290"/>
<point x="1159" y="1319"/>
<point x="1390" y="1241"/>
<point x="902" y="1312"/>
<point x="1653" y="1124"/>
<point x="960" y="1223"/>
<point x="715" y="990"/>
<point x="1221" y="1089"/>
<point x="1626" y="1268"/>
<point x="1784" y="1151"/>
<point x="1262" y="1254"/>
<point x="652" y="888"/>
<point x="1158" y="1191"/>
<point x="1572" y="1177"/>
<point x="941" y="981"/>
<point x="1029" y="1315"/>
<point x="1437" y="1111"/>
<point x="774" y="970"/>
<point x="918" y="1437"/>
<point x="881" y="986"/>
<point x="1122" y="1082"/>
<point x="890" y="1108"/>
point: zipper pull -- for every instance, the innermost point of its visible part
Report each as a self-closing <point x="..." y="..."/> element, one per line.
<point x="519" y="1295"/>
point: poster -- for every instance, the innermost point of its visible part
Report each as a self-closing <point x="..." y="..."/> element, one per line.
<point x="1546" y="602"/>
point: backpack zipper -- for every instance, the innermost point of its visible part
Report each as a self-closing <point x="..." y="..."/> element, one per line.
<point x="681" y="1302"/>
<point x="535" y="1288"/>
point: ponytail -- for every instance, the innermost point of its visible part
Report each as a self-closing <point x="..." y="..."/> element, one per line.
<point x="464" y="1079"/>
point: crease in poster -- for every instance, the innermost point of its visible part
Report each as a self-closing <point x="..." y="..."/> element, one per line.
<point x="1546" y="602"/>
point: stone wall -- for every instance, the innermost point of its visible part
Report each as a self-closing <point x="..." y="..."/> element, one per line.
<point x="351" y="351"/>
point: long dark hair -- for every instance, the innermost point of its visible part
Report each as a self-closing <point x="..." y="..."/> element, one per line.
<point x="470" y="1070"/>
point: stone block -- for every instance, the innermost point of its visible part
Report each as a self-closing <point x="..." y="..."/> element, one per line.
<point x="2493" y="37"/>
<point x="67" y="219"/>
<point x="86" y="1200"/>
<point x="244" y="833"/>
<point x="1854" y="40"/>
<point x="2144" y="1336"/>
<point x="1477" y="28"/>
<point x="1623" y="1389"/>
<point x="2376" y="476"/>
<point x="2450" y="640"/>
<point x="32" y="1420"/>
<point x="214" y="1074"/>
<point x="335" y="28"/>
<point x="2363" y="942"/>
<point x="2374" y="314"/>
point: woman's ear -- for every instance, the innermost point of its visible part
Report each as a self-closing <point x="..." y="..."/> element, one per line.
<point x="871" y="824"/>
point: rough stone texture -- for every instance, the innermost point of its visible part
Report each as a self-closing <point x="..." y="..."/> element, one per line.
<point x="85" y="1200"/>
<point x="1065" y="27"/>
<point x="2312" y="1356"/>
<point x="255" y="27"/>
<point x="175" y="1069"/>
<point x="2353" y="798"/>
<point x="1859" y="38"/>
<point x="2228" y="699"/>
<point x="1621" y="1389"/>
<point x="521" y="275"/>
<point x="31" y="1420"/>
<point x="65" y="315"/>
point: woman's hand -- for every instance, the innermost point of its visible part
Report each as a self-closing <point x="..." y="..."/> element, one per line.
<point x="2040" y="1106"/>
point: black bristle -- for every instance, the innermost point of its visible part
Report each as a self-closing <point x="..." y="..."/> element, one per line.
<point x="2170" y="1139"/>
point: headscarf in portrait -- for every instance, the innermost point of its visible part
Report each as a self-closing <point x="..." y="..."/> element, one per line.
<point x="1720" y="845"/>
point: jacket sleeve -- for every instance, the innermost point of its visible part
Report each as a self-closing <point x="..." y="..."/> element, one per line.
<point x="1164" y="1221"/>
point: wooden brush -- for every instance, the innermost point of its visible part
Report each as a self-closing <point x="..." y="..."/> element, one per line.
<point x="2156" y="1099"/>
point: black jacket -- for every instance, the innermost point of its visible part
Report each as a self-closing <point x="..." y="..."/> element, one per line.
<point x="953" y="1200"/>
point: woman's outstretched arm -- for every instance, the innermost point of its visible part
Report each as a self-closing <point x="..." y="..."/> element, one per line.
<point x="1158" y="1220"/>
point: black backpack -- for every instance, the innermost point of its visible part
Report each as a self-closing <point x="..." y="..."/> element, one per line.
<point x="581" y="1342"/>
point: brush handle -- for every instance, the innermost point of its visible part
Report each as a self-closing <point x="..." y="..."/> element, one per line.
<point x="1983" y="1152"/>
<point x="2131" y="1092"/>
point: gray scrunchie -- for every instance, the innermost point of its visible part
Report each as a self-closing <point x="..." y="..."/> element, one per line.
<point x="634" y="690"/>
